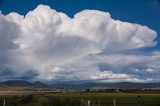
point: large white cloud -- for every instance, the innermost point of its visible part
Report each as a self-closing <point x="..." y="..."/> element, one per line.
<point x="52" y="44"/>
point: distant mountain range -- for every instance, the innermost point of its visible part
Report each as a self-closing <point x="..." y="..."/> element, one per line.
<point x="86" y="85"/>
<point x="23" y="83"/>
<point x="119" y="85"/>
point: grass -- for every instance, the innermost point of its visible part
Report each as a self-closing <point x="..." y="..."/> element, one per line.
<point x="52" y="98"/>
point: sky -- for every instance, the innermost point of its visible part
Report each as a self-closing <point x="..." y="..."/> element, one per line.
<point x="80" y="40"/>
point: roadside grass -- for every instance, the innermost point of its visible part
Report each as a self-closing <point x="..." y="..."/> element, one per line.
<point x="41" y="98"/>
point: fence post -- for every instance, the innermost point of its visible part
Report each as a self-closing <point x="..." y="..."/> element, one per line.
<point x="82" y="102"/>
<point x="4" y="102"/>
<point x="99" y="103"/>
<point x="138" y="101"/>
<point x="89" y="102"/>
<point x="114" y="102"/>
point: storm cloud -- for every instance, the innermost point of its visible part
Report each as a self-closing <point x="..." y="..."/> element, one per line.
<point x="57" y="47"/>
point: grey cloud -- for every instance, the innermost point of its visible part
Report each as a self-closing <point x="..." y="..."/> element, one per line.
<point x="9" y="31"/>
<point x="28" y="75"/>
<point x="6" y="71"/>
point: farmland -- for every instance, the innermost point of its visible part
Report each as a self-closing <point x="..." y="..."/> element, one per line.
<point x="41" y="97"/>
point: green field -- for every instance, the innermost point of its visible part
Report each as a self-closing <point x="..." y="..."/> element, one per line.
<point x="52" y="98"/>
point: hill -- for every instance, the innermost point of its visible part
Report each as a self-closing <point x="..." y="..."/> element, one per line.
<point x="85" y="85"/>
<point x="119" y="85"/>
<point x="23" y="83"/>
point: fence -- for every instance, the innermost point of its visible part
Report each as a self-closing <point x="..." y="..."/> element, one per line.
<point x="88" y="102"/>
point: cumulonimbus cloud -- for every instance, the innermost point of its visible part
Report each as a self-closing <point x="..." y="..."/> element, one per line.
<point x="44" y="39"/>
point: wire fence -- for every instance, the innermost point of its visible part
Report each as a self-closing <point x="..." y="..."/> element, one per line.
<point x="79" y="102"/>
<point x="114" y="103"/>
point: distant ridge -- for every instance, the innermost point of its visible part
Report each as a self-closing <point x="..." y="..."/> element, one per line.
<point x="23" y="83"/>
<point x="119" y="85"/>
<point x="86" y="85"/>
<point x="39" y="84"/>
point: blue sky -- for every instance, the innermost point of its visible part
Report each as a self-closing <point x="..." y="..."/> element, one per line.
<point x="140" y="12"/>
